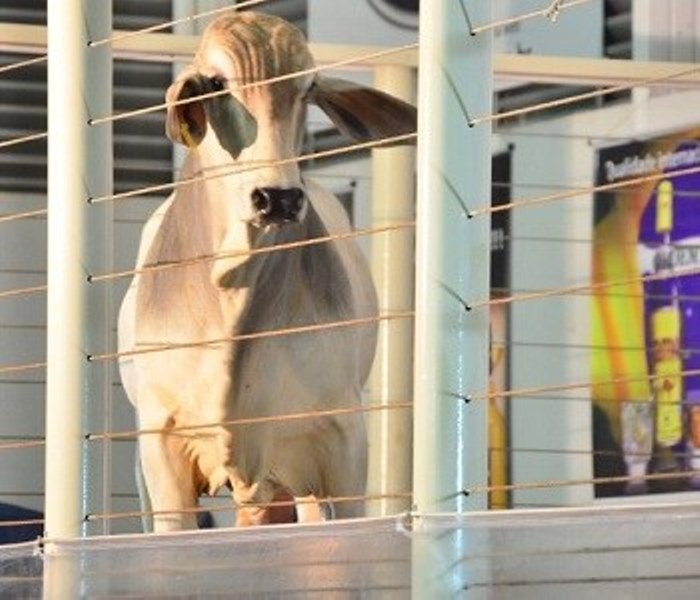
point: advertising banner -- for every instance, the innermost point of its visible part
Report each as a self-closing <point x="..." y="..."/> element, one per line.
<point x="646" y="332"/>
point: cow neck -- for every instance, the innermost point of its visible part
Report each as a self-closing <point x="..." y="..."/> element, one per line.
<point x="182" y="301"/>
<point x="296" y="287"/>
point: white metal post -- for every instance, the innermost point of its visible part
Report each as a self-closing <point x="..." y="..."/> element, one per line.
<point x="393" y="200"/>
<point x="80" y="166"/>
<point x="452" y="268"/>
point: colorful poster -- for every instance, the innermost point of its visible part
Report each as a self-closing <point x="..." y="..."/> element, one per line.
<point x="499" y="452"/>
<point x="646" y="332"/>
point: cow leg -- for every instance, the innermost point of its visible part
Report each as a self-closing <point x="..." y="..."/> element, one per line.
<point x="251" y="495"/>
<point x="308" y="509"/>
<point x="250" y="516"/>
<point x="169" y="481"/>
<point x="347" y="476"/>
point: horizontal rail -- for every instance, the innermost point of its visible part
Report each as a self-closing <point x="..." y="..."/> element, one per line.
<point x="545" y="69"/>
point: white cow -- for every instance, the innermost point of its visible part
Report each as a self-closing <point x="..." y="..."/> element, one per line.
<point x="218" y="300"/>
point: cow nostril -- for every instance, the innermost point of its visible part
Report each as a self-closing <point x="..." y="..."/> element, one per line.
<point x="292" y="201"/>
<point x="296" y="199"/>
<point x="262" y="202"/>
<point x="278" y="205"/>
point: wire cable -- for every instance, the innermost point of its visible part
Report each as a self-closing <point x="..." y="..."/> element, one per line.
<point x="684" y="193"/>
<point x="21" y="291"/>
<point x="592" y="242"/>
<point x="24" y="63"/>
<point x="565" y="451"/>
<point x="536" y="390"/>
<point x="22" y="523"/>
<point x="551" y="12"/>
<point x="134" y="434"/>
<point x="526" y="110"/>
<point x="188" y="19"/>
<point x="253" y="252"/>
<point x="154" y="108"/>
<point x="253" y="84"/>
<point x="233" y="506"/>
<point x="575" y="289"/>
<point x="301" y="329"/>
<point x="332" y="412"/>
<point x="247" y="167"/>
<point x="589" y="347"/>
<point x="24" y="139"/>
<point x="20" y="445"/>
<point x="527" y="202"/>
<point x="22" y="382"/>
<point x="23" y="367"/>
<point x="365" y="58"/>
<point x="579" y="399"/>
<point x="23" y="215"/>
<point x="498" y="293"/>
<point x="559" y="483"/>
<point x="507" y="132"/>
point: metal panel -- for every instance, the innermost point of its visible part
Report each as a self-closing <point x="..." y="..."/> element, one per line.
<point x="143" y="155"/>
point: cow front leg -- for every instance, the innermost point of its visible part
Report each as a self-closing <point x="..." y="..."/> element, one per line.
<point x="255" y="503"/>
<point x="308" y="509"/>
<point x="250" y="516"/>
<point x="169" y="482"/>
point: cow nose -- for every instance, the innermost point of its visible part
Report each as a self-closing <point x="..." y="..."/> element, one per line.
<point x="278" y="205"/>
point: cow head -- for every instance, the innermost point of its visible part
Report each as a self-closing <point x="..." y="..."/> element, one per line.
<point x="251" y="135"/>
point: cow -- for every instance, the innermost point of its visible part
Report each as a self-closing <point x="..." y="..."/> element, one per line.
<point x="241" y="191"/>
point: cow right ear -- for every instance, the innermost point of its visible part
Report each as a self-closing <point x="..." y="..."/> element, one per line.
<point x="186" y="123"/>
<point x="363" y="113"/>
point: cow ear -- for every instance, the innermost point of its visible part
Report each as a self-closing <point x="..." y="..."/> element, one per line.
<point x="365" y="114"/>
<point x="186" y="123"/>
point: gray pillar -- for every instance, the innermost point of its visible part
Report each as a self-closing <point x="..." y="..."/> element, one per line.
<point x="452" y="266"/>
<point x="80" y="166"/>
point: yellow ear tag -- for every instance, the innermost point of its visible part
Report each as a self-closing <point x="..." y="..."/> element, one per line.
<point x="186" y="136"/>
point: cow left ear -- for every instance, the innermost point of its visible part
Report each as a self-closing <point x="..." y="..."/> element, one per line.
<point x="365" y="114"/>
<point x="186" y="123"/>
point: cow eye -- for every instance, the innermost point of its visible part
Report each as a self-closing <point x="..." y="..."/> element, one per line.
<point x="217" y="84"/>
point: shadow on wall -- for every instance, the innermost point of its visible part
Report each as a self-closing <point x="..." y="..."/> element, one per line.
<point x="19" y="533"/>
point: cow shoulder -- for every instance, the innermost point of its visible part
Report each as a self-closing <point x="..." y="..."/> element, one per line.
<point x="150" y="230"/>
<point x="178" y="301"/>
<point x="329" y="209"/>
<point x="335" y="221"/>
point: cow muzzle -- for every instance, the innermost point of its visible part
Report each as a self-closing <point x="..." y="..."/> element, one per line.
<point x="277" y="206"/>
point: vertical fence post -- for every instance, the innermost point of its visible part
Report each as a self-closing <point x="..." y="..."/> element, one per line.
<point x="393" y="200"/>
<point x="80" y="166"/>
<point x="452" y="268"/>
